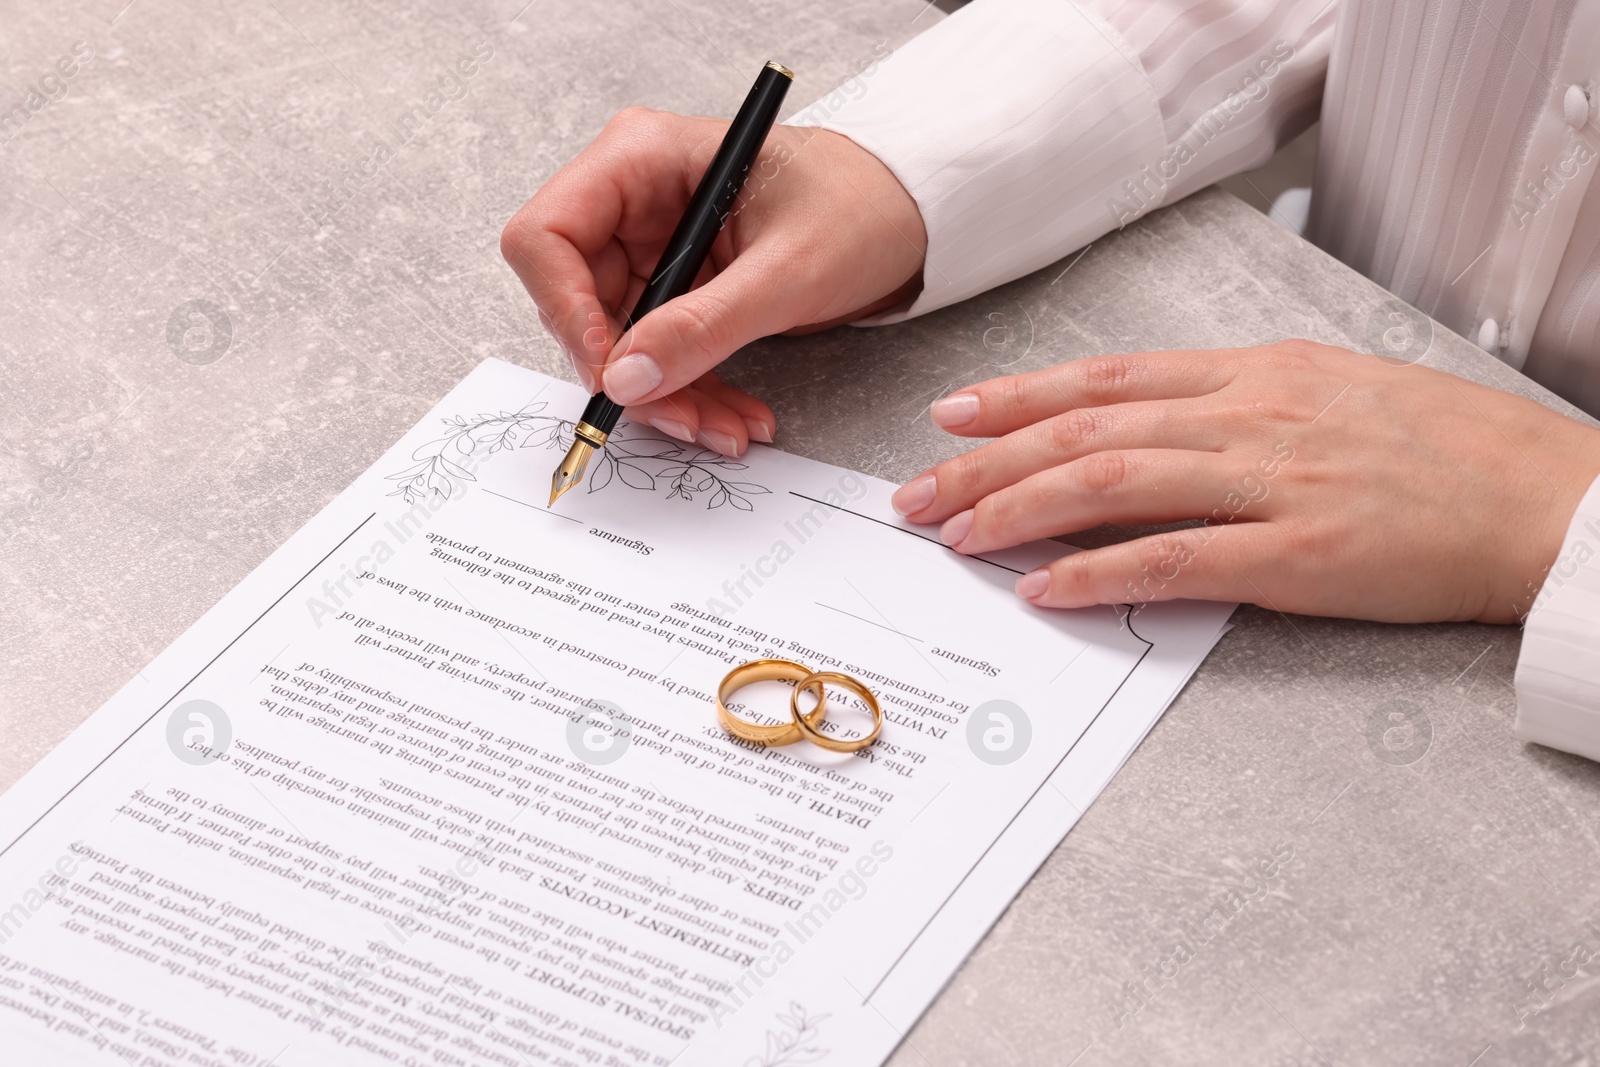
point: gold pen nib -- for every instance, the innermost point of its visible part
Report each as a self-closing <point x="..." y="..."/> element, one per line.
<point x="570" y="473"/>
<point x="585" y="439"/>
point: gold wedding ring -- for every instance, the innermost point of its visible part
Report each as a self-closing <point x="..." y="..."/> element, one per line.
<point x="767" y="670"/>
<point x="808" y="725"/>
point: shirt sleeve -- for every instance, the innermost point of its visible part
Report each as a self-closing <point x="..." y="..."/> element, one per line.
<point x="1025" y="129"/>
<point x="1558" y="670"/>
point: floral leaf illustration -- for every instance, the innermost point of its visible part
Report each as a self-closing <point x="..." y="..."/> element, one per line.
<point x="634" y="475"/>
<point x="794" y="1042"/>
<point x="457" y="472"/>
<point x="409" y="472"/>
<point x="646" y="463"/>
<point x="603" y="472"/>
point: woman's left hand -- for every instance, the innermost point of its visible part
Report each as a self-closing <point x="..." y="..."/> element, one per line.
<point x="1331" y="483"/>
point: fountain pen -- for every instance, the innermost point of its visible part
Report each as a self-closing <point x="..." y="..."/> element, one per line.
<point x="687" y="250"/>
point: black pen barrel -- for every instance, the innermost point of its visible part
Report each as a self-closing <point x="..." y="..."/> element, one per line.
<point x="713" y="197"/>
<point x="708" y="209"/>
<point x="602" y="412"/>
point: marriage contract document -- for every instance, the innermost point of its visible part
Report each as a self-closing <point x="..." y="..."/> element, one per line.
<point x="441" y="782"/>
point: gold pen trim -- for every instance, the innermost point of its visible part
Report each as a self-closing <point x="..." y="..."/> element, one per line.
<point x="593" y="434"/>
<point x="781" y="69"/>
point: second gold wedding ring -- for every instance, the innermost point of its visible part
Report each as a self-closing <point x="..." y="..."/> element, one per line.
<point x="808" y="726"/>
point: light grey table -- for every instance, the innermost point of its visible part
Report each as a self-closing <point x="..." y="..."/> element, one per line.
<point x="228" y="153"/>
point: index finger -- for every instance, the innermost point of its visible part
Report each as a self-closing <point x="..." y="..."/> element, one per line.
<point x="1001" y="405"/>
<point x="571" y="243"/>
<point x="563" y="288"/>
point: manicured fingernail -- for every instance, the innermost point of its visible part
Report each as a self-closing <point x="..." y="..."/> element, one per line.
<point x="581" y="369"/>
<point x="915" y="495"/>
<point x="955" y="410"/>
<point x="1033" y="584"/>
<point x="673" y="428"/>
<point x="758" y="431"/>
<point x="631" y="377"/>
<point x="719" y="442"/>
<point x="956" y="527"/>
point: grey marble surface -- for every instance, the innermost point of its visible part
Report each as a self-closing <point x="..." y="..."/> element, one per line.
<point x="229" y="153"/>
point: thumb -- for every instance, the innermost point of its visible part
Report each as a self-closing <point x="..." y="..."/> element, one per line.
<point x="686" y="337"/>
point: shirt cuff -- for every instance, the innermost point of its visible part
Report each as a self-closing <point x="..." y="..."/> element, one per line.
<point x="1558" y="670"/>
<point x="1009" y="123"/>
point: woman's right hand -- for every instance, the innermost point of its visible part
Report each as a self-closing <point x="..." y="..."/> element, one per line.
<point x="821" y="234"/>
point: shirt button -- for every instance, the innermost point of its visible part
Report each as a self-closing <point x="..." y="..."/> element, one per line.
<point x="1489" y="335"/>
<point x="1575" y="106"/>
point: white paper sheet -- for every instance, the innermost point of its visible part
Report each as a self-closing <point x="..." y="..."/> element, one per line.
<point x="440" y="782"/>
